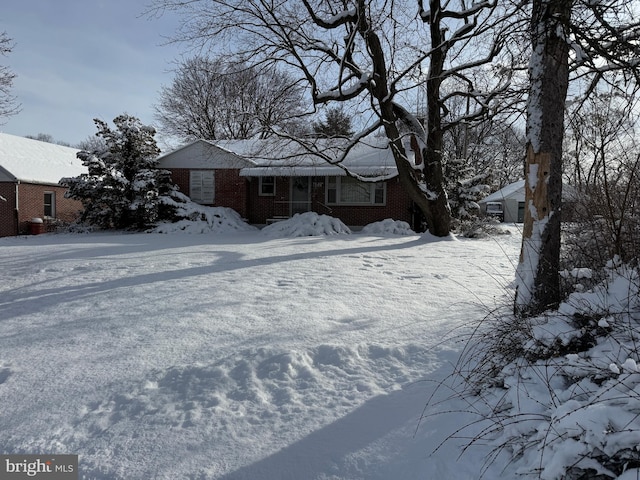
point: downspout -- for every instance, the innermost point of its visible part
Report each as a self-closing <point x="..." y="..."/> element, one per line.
<point x="17" y="209"/>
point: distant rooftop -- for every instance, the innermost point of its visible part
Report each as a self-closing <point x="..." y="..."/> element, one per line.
<point x="513" y="189"/>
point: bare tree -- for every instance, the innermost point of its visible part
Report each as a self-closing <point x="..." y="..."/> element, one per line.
<point x="499" y="149"/>
<point x="214" y="99"/>
<point x="48" y="138"/>
<point x="603" y="37"/>
<point x="599" y="131"/>
<point x="42" y="137"/>
<point x="493" y="146"/>
<point x="8" y="104"/>
<point x="372" y="54"/>
<point x="603" y="165"/>
<point x="93" y="143"/>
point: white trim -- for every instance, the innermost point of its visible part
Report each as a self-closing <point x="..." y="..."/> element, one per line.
<point x="261" y="183"/>
<point x="53" y="204"/>
<point x="384" y="173"/>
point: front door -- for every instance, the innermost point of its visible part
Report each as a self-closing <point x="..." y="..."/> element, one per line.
<point x="300" y="195"/>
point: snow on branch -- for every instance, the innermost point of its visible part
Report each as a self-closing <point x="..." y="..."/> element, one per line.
<point x="342" y="18"/>
<point x="340" y="92"/>
<point x="606" y="38"/>
<point x="426" y="15"/>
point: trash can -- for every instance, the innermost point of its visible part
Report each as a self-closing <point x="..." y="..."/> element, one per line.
<point x="37" y="226"/>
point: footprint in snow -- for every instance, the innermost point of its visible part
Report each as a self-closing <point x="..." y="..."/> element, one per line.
<point x="5" y="373"/>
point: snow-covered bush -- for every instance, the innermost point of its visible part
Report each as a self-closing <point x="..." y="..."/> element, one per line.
<point x="190" y="217"/>
<point x="306" y="225"/>
<point x="388" y="226"/>
<point x="122" y="188"/>
<point x="561" y="392"/>
<point x="605" y="221"/>
<point x="479" y="227"/>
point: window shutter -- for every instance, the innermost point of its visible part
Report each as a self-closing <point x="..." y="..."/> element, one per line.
<point x="201" y="186"/>
<point x="208" y="187"/>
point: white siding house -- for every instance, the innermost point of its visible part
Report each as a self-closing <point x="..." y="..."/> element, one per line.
<point x="512" y="199"/>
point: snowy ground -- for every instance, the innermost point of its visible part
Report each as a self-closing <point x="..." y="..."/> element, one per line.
<point x="241" y="355"/>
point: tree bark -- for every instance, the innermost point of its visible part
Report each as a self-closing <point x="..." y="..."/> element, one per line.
<point x="538" y="287"/>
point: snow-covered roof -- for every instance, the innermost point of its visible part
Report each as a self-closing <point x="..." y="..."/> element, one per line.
<point x="290" y="159"/>
<point x="515" y="191"/>
<point x="202" y="154"/>
<point x="33" y="161"/>
<point x="512" y="191"/>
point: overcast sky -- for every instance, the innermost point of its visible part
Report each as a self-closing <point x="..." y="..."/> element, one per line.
<point x="76" y="60"/>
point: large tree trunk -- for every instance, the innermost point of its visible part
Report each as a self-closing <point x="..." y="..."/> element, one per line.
<point x="433" y="172"/>
<point x="428" y="192"/>
<point x="538" y="271"/>
<point x="433" y="203"/>
<point x="425" y="188"/>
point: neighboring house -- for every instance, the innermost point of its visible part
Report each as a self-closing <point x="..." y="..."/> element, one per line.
<point x="29" y="174"/>
<point x="512" y="199"/>
<point x="265" y="181"/>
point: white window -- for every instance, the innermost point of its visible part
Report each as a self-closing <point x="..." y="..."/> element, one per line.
<point x="349" y="191"/>
<point x="267" y="186"/>
<point x="201" y="186"/>
<point x="50" y="204"/>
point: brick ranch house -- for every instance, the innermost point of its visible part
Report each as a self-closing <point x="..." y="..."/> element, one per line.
<point x="29" y="174"/>
<point x="265" y="181"/>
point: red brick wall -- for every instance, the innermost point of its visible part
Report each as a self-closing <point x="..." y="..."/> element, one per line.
<point x="263" y="207"/>
<point x="230" y="188"/>
<point x="7" y="210"/>
<point x="67" y="209"/>
<point x="31" y="205"/>
<point x="397" y="207"/>
<point x="180" y="176"/>
<point x="231" y="191"/>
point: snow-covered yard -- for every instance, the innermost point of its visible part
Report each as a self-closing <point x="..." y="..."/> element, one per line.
<point x="241" y="355"/>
